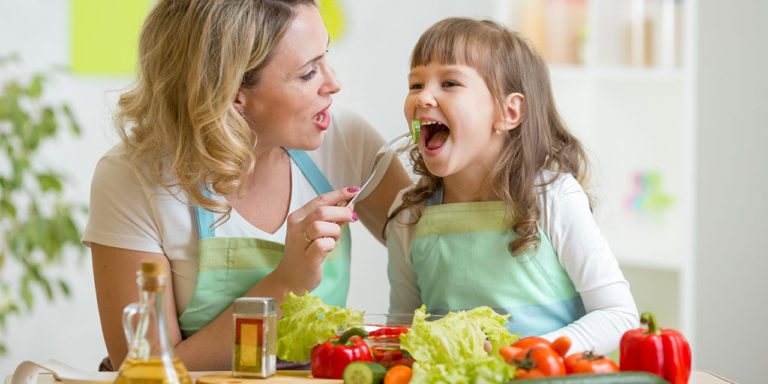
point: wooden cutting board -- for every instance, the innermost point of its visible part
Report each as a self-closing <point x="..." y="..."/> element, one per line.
<point x="296" y="377"/>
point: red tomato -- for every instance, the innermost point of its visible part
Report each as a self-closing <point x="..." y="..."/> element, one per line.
<point x="538" y="361"/>
<point x="588" y="362"/>
<point x="530" y="341"/>
<point x="560" y="345"/>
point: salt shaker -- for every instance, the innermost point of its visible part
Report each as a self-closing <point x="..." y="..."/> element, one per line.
<point x="255" y="337"/>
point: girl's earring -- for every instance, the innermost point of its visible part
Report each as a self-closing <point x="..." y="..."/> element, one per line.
<point x="241" y="113"/>
<point x="498" y="132"/>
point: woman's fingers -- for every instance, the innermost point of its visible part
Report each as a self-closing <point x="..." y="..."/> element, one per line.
<point x="322" y="229"/>
<point x="322" y="245"/>
<point x="328" y="200"/>
<point x="331" y="214"/>
<point x="313" y="232"/>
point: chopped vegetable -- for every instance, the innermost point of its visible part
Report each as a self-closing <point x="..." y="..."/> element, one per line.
<point x="664" y="352"/>
<point x="364" y="372"/>
<point x="399" y="374"/>
<point x="388" y="332"/>
<point x="416" y="130"/>
<point x="306" y="322"/>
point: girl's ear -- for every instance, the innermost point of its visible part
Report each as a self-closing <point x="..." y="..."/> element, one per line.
<point x="512" y="113"/>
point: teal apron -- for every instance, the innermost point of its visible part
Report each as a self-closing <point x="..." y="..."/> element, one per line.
<point x="461" y="259"/>
<point x="229" y="267"/>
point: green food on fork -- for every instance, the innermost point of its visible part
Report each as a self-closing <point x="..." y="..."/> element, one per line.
<point x="415" y="130"/>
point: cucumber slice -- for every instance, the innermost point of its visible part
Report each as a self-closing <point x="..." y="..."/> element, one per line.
<point x="415" y="130"/>
<point x="364" y="372"/>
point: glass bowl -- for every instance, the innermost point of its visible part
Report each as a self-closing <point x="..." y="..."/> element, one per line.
<point x="383" y="338"/>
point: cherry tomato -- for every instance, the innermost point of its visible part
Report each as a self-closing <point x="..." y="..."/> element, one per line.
<point x="538" y="361"/>
<point x="588" y="362"/>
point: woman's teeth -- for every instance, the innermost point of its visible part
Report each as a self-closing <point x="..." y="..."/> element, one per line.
<point x="319" y="117"/>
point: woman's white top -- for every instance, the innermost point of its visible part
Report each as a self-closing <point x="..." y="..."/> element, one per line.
<point x="128" y="210"/>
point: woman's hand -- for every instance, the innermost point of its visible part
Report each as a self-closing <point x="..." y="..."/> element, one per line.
<point x="313" y="231"/>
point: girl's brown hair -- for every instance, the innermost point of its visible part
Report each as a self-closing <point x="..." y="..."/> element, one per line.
<point x="178" y="118"/>
<point x="541" y="142"/>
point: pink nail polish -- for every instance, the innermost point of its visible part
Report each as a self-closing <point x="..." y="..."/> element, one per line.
<point x="354" y="216"/>
<point x="353" y="189"/>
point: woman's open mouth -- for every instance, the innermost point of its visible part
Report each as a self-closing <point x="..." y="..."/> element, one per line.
<point x="435" y="134"/>
<point x="322" y="119"/>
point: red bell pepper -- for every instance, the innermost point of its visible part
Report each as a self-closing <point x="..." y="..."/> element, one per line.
<point x="329" y="359"/>
<point x="664" y="352"/>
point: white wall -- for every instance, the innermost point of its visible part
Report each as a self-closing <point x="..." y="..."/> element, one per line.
<point x="371" y="60"/>
<point x="731" y="182"/>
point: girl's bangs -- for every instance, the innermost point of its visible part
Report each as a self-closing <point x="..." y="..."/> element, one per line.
<point x="448" y="46"/>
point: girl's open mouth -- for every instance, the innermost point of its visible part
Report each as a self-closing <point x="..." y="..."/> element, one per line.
<point x="435" y="134"/>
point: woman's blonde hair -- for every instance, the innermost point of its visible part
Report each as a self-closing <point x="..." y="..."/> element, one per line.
<point x="179" y="119"/>
<point x="541" y="142"/>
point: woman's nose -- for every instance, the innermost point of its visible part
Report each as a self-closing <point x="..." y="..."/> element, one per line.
<point x="331" y="84"/>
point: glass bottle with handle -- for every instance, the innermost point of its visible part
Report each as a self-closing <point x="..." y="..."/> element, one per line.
<point x="150" y="358"/>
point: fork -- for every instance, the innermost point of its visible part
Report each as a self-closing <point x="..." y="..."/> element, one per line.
<point x="390" y="146"/>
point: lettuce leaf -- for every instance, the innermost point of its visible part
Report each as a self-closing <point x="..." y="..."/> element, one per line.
<point x="450" y="349"/>
<point x="306" y="322"/>
<point x="488" y="369"/>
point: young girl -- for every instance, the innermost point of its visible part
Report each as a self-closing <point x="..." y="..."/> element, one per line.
<point x="499" y="217"/>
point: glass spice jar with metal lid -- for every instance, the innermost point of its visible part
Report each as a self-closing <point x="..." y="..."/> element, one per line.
<point x="254" y="337"/>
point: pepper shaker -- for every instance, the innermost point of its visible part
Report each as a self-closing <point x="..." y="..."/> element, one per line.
<point x="254" y="337"/>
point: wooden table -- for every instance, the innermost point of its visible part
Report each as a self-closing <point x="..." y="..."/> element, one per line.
<point x="299" y="377"/>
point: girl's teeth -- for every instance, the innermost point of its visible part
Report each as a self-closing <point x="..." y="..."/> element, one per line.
<point x="319" y="117"/>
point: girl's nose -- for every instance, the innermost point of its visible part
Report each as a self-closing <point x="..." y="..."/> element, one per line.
<point x="331" y="84"/>
<point x="425" y="100"/>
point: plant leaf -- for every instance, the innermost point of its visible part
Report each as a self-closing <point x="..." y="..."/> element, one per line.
<point x="35" y="88"/>
<point x="72" y="120"/>
<point x="49" y="181"/>
<point x="64" y="287"/>
<point x="26" y="292"/>
<point x="7" y="208"/>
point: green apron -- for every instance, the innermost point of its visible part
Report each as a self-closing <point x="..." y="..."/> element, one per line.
<point x="229" y="267"/>
<point x="461" y="259"/>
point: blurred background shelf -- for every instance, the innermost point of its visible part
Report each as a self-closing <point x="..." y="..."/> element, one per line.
<point x="622" y="79"/>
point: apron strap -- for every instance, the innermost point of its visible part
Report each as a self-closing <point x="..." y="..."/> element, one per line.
<point x="310" y="171"/>
<point x="316" y="178"/>
<point x="205" y="220"/>
<point x="437" y="196"/>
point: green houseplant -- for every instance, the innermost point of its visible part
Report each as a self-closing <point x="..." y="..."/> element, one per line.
<point x="37" y="223"/>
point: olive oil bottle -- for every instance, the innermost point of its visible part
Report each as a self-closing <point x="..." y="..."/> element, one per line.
<point x="150" y="358"/>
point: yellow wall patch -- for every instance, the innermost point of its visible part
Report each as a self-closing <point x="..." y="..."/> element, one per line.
<point x="104" y="35"/>
<point x="333" y="17"/>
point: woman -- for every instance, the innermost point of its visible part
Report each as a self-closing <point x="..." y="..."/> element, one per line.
<point x="229" y="95"/>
